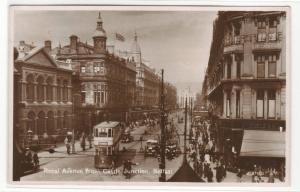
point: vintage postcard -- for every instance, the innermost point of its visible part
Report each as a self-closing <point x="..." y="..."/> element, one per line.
<point x="155" y="94"/>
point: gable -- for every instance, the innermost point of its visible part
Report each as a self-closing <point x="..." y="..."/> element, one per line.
<point x="40" y="58"/>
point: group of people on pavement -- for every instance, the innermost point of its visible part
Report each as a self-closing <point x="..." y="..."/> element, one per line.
<point x="82" y="139"/>
<point x="205" y="159"/>
<point x="202" y="153"/>
<point x="30" y="159"/>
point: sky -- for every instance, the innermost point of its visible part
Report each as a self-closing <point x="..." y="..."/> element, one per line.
<point x="177" y="41"/>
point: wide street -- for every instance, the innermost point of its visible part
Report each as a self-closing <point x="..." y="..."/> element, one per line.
<point x="60" y="166"/>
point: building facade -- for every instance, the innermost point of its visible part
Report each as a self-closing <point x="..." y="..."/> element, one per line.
<point x="104" y="82"/>
<point x="43" y="91"/>
<point x="245" y="81"/>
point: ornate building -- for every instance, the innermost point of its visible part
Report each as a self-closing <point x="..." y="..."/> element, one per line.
<point x="245" y="81"/>
<point x="44" y="96"/>
<point x="105" y="82"/>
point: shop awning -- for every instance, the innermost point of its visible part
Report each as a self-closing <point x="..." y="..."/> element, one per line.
<point x="263" y="144"/>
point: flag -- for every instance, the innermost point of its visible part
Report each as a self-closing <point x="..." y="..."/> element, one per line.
<point x="120" y="37"/>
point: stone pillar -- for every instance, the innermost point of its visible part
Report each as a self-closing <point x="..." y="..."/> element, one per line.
<point x="61" y="93"/>
<point x="233" y="66"/>
<point x="55" y="122"/>
<point x="54" y="93"/>
<point x="45" y="92"/>
<point x="35" y="92"/>
<point x="224" y="103"/>
<point x="22" y="90"/>
<point x="69" y="93"/>
<point x="233" y="104"/>
<point x="265" y="104"/>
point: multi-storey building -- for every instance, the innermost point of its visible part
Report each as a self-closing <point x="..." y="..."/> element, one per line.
<point x="43" y="97"/>
<point x="245" y="82"/>
<point x="147" y="81"/>
<point x="105" y="82"/>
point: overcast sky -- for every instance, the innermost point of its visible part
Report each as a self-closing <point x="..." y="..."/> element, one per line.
<point x="177" y="41"/>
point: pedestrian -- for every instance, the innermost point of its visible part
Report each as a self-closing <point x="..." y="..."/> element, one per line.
<point x="271" y="178"/>
<point x="210" y="175"/>
<point x="219" y="174"/>
<point x="35" y="159"/>
<point x="67" y="143"/>
<point x="90" y="137"/>
<point x="82" y="141"/>
<point x="239" y="175"/>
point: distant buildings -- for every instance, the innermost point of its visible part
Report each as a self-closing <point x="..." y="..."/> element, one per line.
<point x="245" y="82"/>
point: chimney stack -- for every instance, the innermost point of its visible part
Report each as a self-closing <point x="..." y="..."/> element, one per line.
<point x="73" y="42"/>
<point x="47" y="46"/>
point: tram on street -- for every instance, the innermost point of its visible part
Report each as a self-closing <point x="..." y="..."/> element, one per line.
<point x="107" y="137"/>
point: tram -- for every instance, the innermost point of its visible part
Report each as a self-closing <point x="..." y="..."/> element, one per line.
<point x="107" y="137"/>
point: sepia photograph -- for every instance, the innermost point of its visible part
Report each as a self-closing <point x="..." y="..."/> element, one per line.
<point x="178" y="94"/>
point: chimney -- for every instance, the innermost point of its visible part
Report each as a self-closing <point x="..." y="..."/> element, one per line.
<point x="22" y="43"/>
<point x="47" y="46"/>
<point x="73" y="42"/>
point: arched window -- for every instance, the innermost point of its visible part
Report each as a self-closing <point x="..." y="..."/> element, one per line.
<point x="65" y="90"/>
<point x="41" y="123"/>
<point x="50" y="123"/>
<point x="40" y="89"/>
<point x="65" y="120"/>
<point x="59" y="118"/>
<point x="30" y="88"/>
<point x="49" y="89"/>
<point x="31" y="121"/>
<point x="58" y="92"/>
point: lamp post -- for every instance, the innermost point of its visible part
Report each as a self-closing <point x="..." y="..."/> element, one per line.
<point x="162" y="164"/>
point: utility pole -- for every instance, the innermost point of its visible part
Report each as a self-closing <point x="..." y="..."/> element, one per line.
<point x="162" y="164"/>
<point x="185" y="124"/>
<point x="73" y="124"/>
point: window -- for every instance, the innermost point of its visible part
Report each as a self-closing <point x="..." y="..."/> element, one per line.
<point x="272" y="36"/>
<point x="229" y="70"/>
<point x="238" y="94"/>
<point x="109" y="133"/>
<point x="273" y="22"/>
<point x="58" y="93"/>
<point x="40" y="89"/>
<point x="29" y="88"/>
<point x="228" y="104"/>
<point x="261" y="37"/>
<point x="272" y="65"/>
<point x="49" y="90"/>
<point x="260" y="66"/>
<point x="260" y="103"/>
<point x="65" y="91"/>
<point x="109" y="150"/>
<point x="271" y="103"/>
<point x="261" y="24"/>
<point x="96" y="68"/>
<point x="96" y="97"/>
<point x="83" y="93"/>
<point x="82" y="69"/>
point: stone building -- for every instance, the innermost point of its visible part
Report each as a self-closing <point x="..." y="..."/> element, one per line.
<point x="245" y="81"/>
<point x="43" y="90"/>
<point x="147" y="80"/>
<point x="104" y="82"/>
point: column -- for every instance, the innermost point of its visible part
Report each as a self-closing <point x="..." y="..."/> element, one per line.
<point x="233" y="66"/>
<point x="224" y="103"/>
<point x="22" y="90"/>
<point x="45" y="124"/>
<point x="45" y="92"/>
<point x="69" y="87"/>
<point x="54" y="89"/>
<point x="265" y="104"/>
<point x="61" y="93"/>
<point x="35" y="92"/>
<point x="233" y="104"/>
<point x="55" y="123"/>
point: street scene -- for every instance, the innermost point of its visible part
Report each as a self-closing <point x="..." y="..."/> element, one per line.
<point x="149" y="96"/>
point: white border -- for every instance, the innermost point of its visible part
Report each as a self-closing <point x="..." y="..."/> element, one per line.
<point x="293" y="76"/>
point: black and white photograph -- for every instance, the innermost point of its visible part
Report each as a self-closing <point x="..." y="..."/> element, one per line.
<point x="157" y="94"/>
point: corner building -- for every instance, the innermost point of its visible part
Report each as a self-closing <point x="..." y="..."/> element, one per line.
<point x="104" y="84"/>
<point x="245" y="82"/>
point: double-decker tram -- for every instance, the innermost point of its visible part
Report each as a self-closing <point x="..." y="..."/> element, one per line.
<point x="107" y="136"/>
